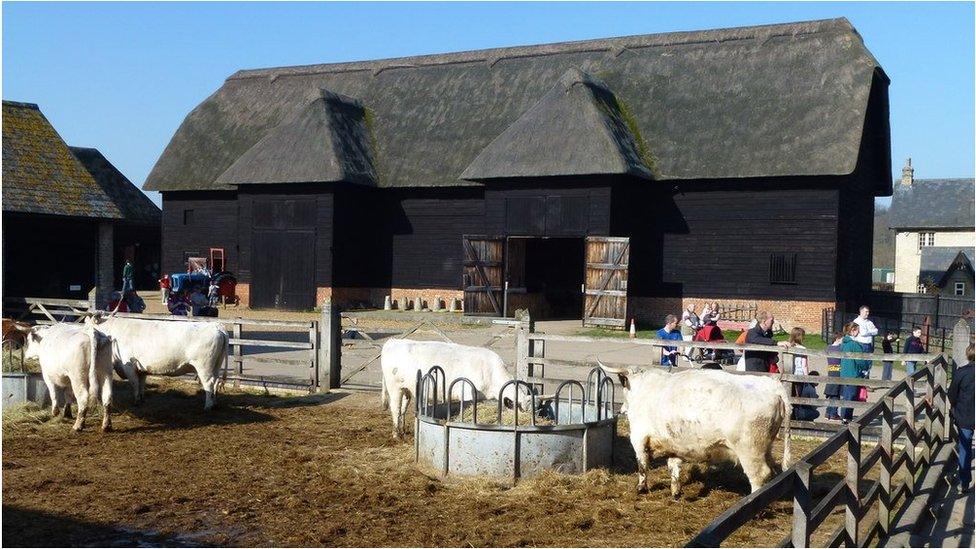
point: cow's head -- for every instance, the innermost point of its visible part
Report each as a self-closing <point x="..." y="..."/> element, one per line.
<point x="32" y="342"/>
<point x="623" y="376"/>
<point x="523" y="392"/>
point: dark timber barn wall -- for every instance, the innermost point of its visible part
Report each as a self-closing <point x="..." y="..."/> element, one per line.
<point x="195" y="222"/>
<point x="368" y="174"/>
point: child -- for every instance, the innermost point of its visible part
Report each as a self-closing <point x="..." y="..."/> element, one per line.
<point x="888" y="345"/>
<point x="796" y="342"/>
<point x="913" y="345"/>
<point x="833" y="370"/>
<point x="214" y="294"/>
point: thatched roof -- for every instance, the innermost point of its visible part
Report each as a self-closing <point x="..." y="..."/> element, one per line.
<point x="776" y="100"/>
<point x="934" y="204"/>
<point x="41" y="175"/>
<point x="326" y="140"/>
<point x="584" y="134"/>
<point x="134" y="205"/>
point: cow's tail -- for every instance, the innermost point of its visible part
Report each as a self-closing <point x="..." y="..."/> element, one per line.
<point x="94" y="387"/>
<point x="384" y="396"/>
<point x="787" y="411"/>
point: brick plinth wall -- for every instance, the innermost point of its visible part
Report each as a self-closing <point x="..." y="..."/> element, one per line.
<point x="243" y="291"/>
<point x="650" y="311"/>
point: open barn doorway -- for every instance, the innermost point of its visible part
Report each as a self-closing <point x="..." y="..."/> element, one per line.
<point x="545" y="275"/>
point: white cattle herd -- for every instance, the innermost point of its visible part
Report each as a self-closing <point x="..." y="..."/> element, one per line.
<point x="84" y="356"/>
<point x="695" y="415"/>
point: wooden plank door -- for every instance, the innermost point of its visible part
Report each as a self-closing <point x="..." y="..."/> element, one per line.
<point x="605" y="284"/>
<point x="483" y="273"/>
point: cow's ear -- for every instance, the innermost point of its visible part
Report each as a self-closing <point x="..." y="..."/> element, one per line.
<point x="623" y="381"/>
<point x="35" y="335"/>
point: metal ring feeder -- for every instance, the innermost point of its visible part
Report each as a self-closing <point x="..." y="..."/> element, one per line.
<point x="580" y="437"/>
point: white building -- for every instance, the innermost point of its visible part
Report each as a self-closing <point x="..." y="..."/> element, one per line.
<point x="934" y="222"/>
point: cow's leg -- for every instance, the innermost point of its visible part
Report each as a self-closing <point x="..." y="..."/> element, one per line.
<point x="66" y="399"/>
<point x="755" y="467"/>
<point x="674" y="467"/>
<point x="131" y="374"/>
<point x="55" y="393"/>
<point x="208" y="380"/>
<point x="106" y="394"/>
<point x="81" y="397"/>
<point x="141" y="377"/>
<point x="643" y="454"/>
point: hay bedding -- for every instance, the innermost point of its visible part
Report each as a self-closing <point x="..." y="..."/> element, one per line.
<point x="301" y="471"/>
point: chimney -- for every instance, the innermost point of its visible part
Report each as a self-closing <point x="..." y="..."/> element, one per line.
<point x="908" y="173"/>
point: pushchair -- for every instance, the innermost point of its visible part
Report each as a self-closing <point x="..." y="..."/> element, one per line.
<point x="713" y="334"/>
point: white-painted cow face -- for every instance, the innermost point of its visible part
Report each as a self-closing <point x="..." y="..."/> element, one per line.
<point x="32" y="343"/>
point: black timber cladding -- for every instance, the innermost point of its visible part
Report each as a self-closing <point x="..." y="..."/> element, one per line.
<point x="549" y="207"/>
<point x="212" y="224"/>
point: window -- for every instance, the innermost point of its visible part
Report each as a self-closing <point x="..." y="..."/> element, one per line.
<point x="960" y="288"/>
<point x="187" y="217"/>
<point x="926" y="239"/>
<point x="782" y="268"/>
<point x="923" y="288"/>
<point x="216" y="259"/>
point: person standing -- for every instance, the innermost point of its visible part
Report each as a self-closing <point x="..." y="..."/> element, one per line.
<point x="832" y="390"/>
<point x="669" y="355"/>
<point x="913" y="345"/>
<point x="762" y="334"/>
<point x="888" y="345"/>
<point x="689" y="323"/>
<point x="866" y="332"/>
<point x="127" y="273"/>
<point x="961" y="397"/>
<point x="800" y="362"/>
<point x="164" y="286"/>
<point x="851" y="368"/>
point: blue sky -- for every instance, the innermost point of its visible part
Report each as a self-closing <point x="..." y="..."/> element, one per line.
<point x="121" y="76"/>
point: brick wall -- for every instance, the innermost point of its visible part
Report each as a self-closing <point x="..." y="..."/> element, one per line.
<point x="650" y="311"/>
<point x="243" y="290"/>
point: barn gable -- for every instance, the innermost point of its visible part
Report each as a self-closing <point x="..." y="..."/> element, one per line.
<point x="577" y="128"/>
<point x="765" y="101"/>
<point x="324" y="141"/>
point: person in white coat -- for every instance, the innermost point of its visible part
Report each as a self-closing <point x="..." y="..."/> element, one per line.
<point x="868" y="330"/>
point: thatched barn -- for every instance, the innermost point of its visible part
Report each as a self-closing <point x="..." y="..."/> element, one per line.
<point x="606" y="179"/>
<point x="70" y="218"/>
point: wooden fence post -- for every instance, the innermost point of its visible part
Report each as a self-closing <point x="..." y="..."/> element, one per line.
<point x="884" y="475"/>
<point x="942" y="404"/>
<point x="238" y="332"/>
<point x="802" y="504"/>
<point x="522" y="330"/>
<point x="853" y="480"/>
<point x="330" y="346"/>
<point x="313" y="339"/>
<point x="927" y="427"/>
<point x="912" y="437"/>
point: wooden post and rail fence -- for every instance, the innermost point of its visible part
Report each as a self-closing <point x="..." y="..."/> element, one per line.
<point x="320" y="354"/>
<point x="896" y="439"/>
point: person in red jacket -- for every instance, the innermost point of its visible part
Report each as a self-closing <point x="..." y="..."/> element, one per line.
<point x="164" y="286"/>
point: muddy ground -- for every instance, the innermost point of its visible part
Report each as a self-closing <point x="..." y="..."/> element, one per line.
<point x="264" y="470"/>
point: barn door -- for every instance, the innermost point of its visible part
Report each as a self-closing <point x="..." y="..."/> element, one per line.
<point x="483" y="274"/>
<point x="605" y="284"/>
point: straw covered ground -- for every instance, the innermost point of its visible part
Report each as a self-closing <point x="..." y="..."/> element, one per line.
<point x="324" y="471"/>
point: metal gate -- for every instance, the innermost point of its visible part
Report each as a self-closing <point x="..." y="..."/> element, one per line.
<point x="283" y="254"/>
<point x="483" y="276"/>
<point x="605" y="291"/>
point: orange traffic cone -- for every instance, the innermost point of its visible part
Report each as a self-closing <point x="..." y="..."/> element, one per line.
<point x="633" y="329"/>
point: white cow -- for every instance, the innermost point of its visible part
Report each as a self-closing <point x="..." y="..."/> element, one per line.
<point x="704" y="415"/>
<point x="166" y="348"/>
<point x="401" y="359"/>
<point x="75" y="356"/>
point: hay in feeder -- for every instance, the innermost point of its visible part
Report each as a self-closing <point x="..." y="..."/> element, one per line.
<point x="488" y="415"/>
